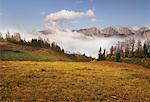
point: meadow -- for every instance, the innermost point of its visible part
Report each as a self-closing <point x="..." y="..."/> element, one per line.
<point x="17" y="52"/>
<point x="26" y="81"/>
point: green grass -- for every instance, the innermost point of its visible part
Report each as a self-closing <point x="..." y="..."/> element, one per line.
<point x="17" y="56"/>
<point x="15" y="52"/>
<point x="138" y="61"/>
<point x="73" y="81"/>
<point x="145" y="62"/>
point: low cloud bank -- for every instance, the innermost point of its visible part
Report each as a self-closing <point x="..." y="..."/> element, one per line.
<point x="73" y="42"/>
<point x="70" y="41"/>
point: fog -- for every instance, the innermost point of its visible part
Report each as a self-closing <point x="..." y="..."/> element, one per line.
<point x="77" y="43"/>
<point x="71" y="42"/>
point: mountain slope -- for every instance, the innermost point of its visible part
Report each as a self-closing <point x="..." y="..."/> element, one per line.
<point x="147" y="34"/>
<point x="90" y="31"/>
<point x="110" y="31"/>
<point x="125" y="30"/>
<point x="114" y="31"/>
<point x="11" y="51"/>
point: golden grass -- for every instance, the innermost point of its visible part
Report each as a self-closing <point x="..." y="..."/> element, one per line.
<point x="27" y="81"/>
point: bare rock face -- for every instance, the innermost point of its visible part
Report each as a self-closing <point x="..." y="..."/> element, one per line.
<point x="147" y="34"/>
<point x="144" y="32"/>
<point x="125" y="31"/>
<point x="110" y="31"/>
<point x="143" y="29"/>
<point x="89" y="31"/>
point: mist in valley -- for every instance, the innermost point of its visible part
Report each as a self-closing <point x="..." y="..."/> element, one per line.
<point x="71" y="42"/>
<point x="74" y="42"/>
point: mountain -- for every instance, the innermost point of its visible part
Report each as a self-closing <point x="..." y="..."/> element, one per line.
<point x="110" y="31"/>
<point x="147" y="34"/>
<point x="125" y="31"/>
<point x="107" y="32"/>
<point x="143" y="29"/>
<point x="114" y="31"/>
<point x="89" y="31"/>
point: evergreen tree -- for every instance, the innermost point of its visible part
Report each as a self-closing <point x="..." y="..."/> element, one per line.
<point x="139" y="52"/>
<point x="132" y="45"/>
<point x="118" y="50"/>
<point x="111" y="50"/>
<point x="17" y="37"/>
<point x="145" y="50"/>
<point x="1" y="36"/>
<point x="104" y="52"/>
<point x="127" y="49"/>
<point x="100" y="54"/>
<point x="118" y="57"/>
<point x="7" y="36"/>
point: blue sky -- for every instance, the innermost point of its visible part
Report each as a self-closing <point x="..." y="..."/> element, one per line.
<point x="30" y="14"/>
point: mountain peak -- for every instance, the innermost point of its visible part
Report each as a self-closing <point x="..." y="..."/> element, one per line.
<point x="90" y="31"/>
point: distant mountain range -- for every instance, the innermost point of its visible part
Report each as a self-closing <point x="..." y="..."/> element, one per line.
<point x="109" y="31"/>
<point x="114" y="31"/>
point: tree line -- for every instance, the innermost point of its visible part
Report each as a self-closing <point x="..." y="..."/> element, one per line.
<point x="130" y="48"/>
<point x="37" y="43"/>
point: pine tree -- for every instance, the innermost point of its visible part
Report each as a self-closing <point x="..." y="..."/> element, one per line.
<point x="7" y="36"/>
<point x="104" y="52"/>
<point x="145" y="50"/>
<point x="132" y="45"/>
<point x="1" y="36"/>
<point x="111" y="51"/>
<point x="118" y="58"/>
<point x="139" y="49"/>
<point x="127" y="49"/>
<point x="100" y="54"/>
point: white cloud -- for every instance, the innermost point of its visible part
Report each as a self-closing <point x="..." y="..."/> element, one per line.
<point x="68" y="15"/>
<point x="90" y="13"/>
<point x="53" y="19"/>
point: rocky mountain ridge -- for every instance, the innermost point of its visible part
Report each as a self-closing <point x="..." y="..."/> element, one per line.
<point x="113" y="31"/>
<point x="108" y="32"/>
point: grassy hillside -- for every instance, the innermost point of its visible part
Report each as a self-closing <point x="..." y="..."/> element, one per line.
<point x="73" y="81"/>
<point x="16" y="52"/>
<point x="145" y="62"/>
